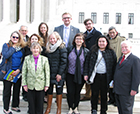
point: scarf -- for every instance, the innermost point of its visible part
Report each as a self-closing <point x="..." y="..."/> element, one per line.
<point x="77" y="76"/>
<point x="36" y="60"/>
<point x="18" y="48"/>
<point x="55" y="46"/>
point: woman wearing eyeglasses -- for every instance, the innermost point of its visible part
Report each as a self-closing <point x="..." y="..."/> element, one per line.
<point x="13" y="52"/>
<point x="74" y="78"/>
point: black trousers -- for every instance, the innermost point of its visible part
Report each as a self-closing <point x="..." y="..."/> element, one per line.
<point x="24" y="93"/>
<point x="73" y="91"/>
<point x="36" y="101"/>
<point x="111" y="95"/>
<point x="59" y="90"/>
<point x="125" y="103"/>
<point x="100" y="84"/>
<point x="7" y="93"/>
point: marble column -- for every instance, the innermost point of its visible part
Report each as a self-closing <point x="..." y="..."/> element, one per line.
<point x="37" y="11"/>
<point x="23" y="11"/>
<point x="6" y="12"/>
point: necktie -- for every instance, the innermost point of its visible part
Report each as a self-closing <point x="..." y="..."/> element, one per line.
<point x="122" y="59"/>
<point x="66" y="37"/>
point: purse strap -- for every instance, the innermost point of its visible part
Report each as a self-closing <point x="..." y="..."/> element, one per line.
<point x="6" y="59"/>
<point x="99" y="61"/>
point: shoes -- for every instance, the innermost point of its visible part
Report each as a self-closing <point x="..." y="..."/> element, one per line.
<point x="70" y="111"/>
<point x="25" y="99"/>
<point x="85" y="99"/>
<point x="76" y="111"/>
<point x="7" y="112"/>
<point x="93" y="112"/>
<point x="16" y="109"/>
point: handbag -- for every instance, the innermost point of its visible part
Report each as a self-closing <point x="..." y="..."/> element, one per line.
<point x="3" y="70"/>
<point x="3" y="66"/>
<point x="91" y="80"/>
<point x="10" y="77"/>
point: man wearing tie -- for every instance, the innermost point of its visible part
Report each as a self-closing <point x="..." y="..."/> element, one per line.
<point x="67" y="31"/>
<point x="126" y="79"/>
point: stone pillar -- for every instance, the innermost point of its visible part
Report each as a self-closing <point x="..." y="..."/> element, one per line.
<point x="1" y="10"/>
<point x="13" y="11"/>
<point x="6" y="12"/>
<point x="46" y="10"/>
<point x="37" y="11"/>
<point x="23" y="10"/>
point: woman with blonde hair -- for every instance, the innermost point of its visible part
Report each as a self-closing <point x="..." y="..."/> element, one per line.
<point x="13" y="52"/>
<point x="57" y="55"/>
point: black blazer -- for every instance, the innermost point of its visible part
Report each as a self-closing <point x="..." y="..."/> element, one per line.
<point x="110" y="61"/>
<point x="90" y="39"/>
<point x="127" y="75"/>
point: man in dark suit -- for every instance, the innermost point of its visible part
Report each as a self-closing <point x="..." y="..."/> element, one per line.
<point x="126" y="79"/>
<point x="24" y="31"/>
<point x="67" y="31"/>
<point x="91" y="36"/>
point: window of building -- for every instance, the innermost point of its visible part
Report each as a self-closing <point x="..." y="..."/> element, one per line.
<point x="81" y="17"/>
<point x="118" y="18"/>
<point x="131" y="18"/>
<point x="106" y="18"/>
<point x="130" y="35"/>
<point x="94" y="17"/>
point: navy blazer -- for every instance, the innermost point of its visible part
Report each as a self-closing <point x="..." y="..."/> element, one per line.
<point x="73" y="32"/>
<point x="127" y="75"/>
<point x="90" y="39"/>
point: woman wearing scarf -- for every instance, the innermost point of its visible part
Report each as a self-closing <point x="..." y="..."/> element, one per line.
<point x="35" y="78"/>
<point x="57" y="55"/>
<point x="74" y="78"/>
<point x="13" y="52"/>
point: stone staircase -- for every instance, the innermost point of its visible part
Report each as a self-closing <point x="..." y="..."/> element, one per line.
<point x="84" y="107"/>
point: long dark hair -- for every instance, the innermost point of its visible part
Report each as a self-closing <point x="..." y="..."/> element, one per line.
<point x="46" y="35"/>
<point x="96" y="46"/>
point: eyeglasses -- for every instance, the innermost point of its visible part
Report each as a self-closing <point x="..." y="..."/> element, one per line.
<point x="15" y="37"/>
<point x="78" y="39"/>
<point x="66" y="17"/>
<point x="88" y="24"/>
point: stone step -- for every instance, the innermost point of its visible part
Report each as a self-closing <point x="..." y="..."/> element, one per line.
<point x="84" y="107"/>
<point x="137" y="97"/>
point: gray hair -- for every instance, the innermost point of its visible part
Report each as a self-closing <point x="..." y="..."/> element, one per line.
<point x="127" y="42"/>
<point x="23" y="26"/>
<point x="34" y="44"/>
<point x="111" y="28"/>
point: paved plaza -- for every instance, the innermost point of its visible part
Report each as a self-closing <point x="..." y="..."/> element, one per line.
<point x="84" y="107"/>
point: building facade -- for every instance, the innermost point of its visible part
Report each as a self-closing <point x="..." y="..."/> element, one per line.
<point x="122" y="14"/>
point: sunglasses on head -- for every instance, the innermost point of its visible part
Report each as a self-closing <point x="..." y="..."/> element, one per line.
<point x="15" y="37"/>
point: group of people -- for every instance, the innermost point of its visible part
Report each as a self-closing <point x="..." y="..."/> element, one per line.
<point x="68" y="55"/>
